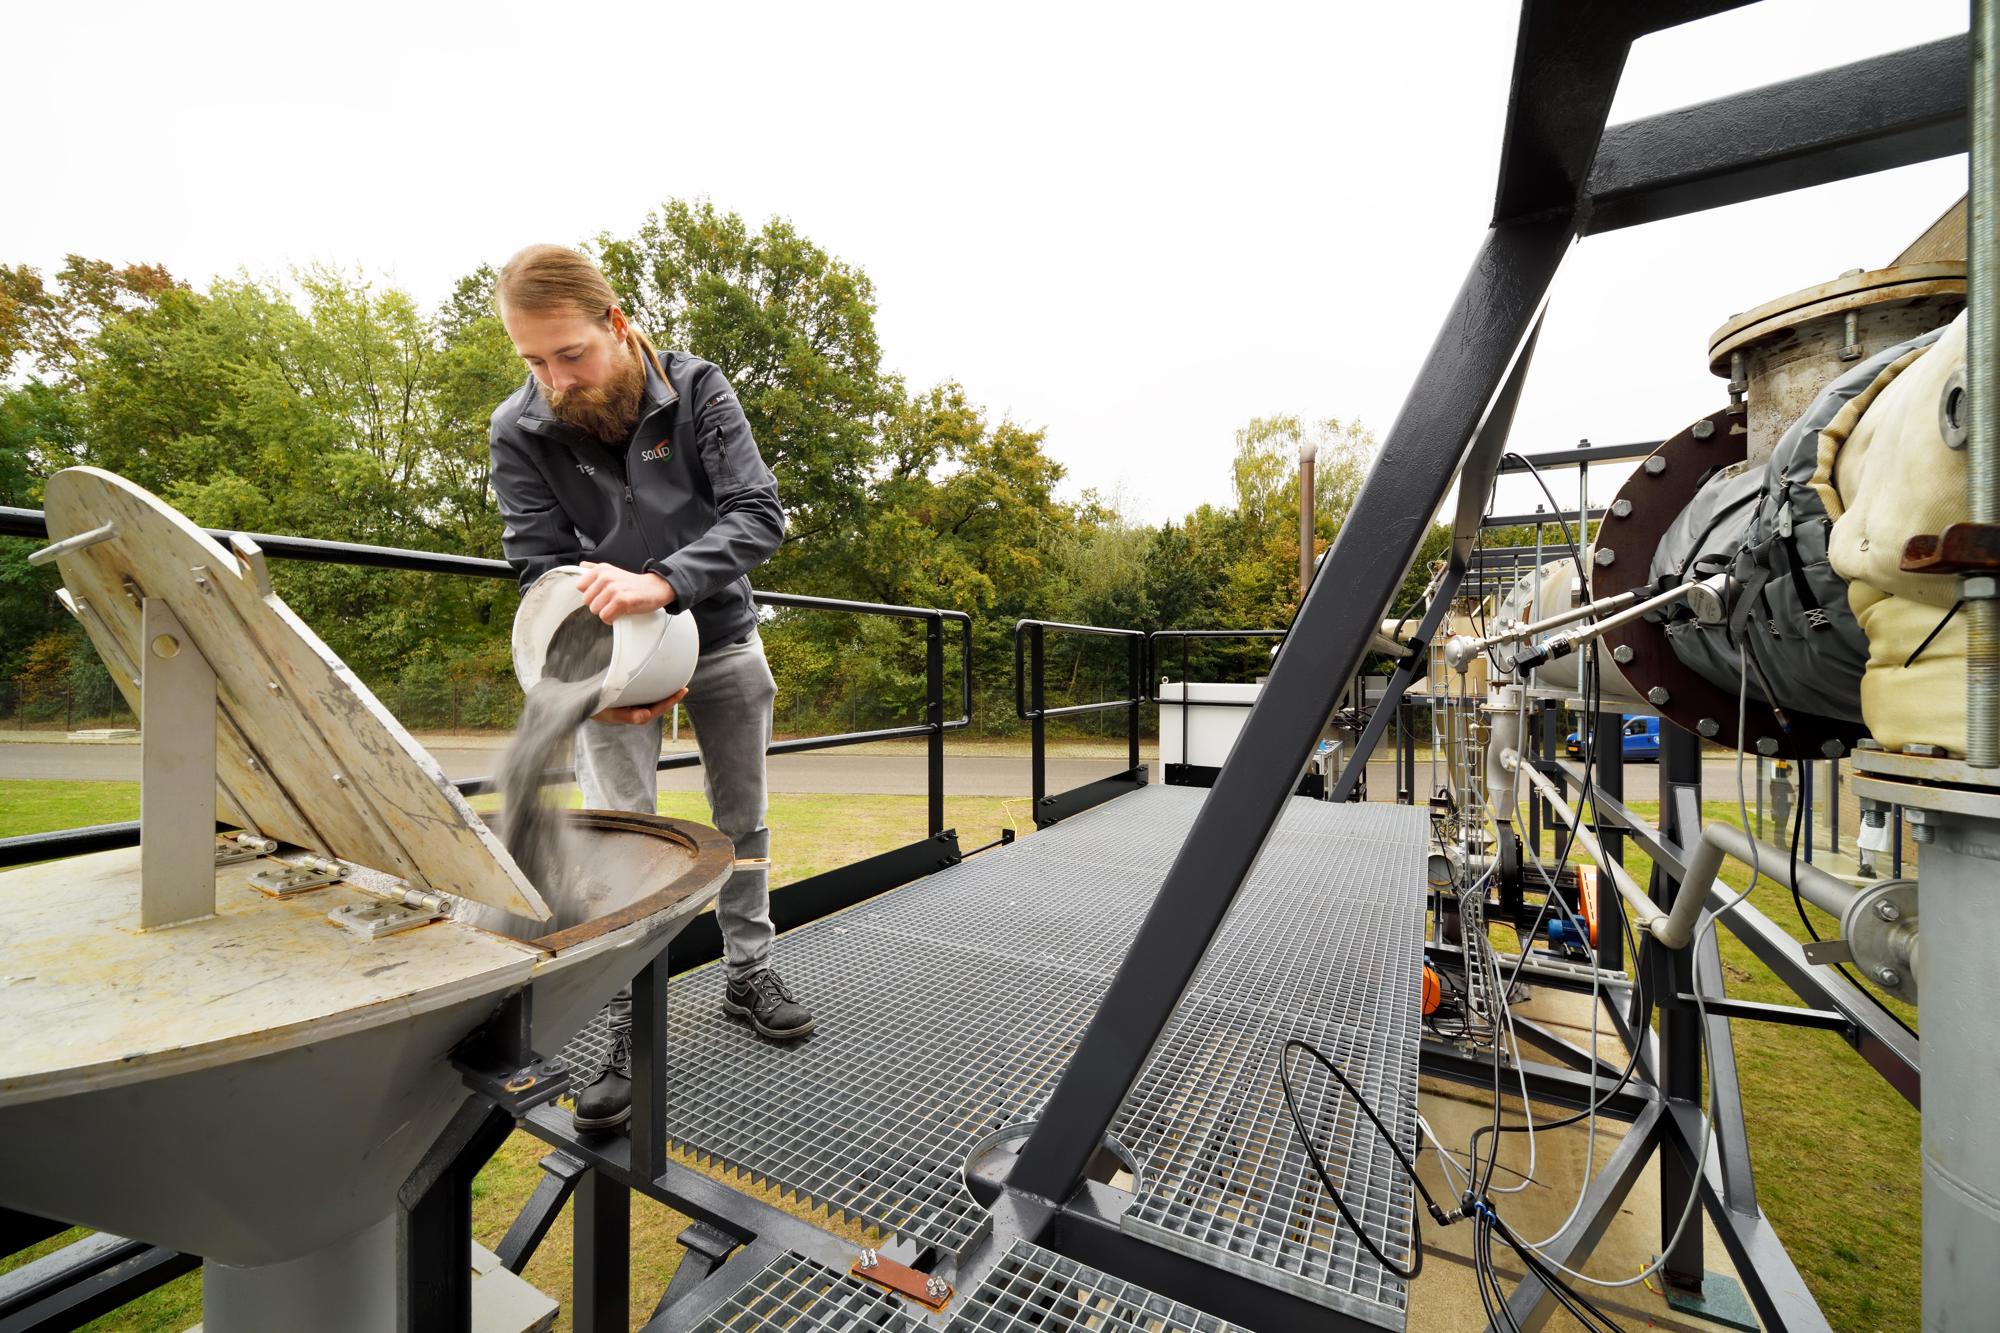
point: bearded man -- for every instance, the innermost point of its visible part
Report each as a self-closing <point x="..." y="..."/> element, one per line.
<point x="640" y="466"/>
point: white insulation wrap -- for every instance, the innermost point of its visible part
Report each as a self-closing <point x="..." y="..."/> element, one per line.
<point x="1891" y="479"/>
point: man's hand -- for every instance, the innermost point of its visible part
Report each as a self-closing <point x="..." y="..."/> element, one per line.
<point x="611" y="592"/>
<point x="638" y="714"/>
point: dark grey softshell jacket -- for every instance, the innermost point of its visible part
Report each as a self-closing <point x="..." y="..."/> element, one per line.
<point x="688" y="498"/>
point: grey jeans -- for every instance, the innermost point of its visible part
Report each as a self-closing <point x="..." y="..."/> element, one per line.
<point x="729" y="701"/>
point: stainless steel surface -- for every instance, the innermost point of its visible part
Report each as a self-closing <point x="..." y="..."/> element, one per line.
<point x="1032" y="1290"/>
<point x="1982" y="377"/>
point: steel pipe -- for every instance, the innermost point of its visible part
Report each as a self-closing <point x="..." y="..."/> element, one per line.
<point x="1822" y="890"/>
<point x="1982" y="385"/>
<point x="1646" y="912"/>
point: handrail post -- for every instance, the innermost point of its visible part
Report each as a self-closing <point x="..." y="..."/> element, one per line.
<point x="1038" y="724"/>
<point x="1135" y="678"/>
<point x="934" y="714"/>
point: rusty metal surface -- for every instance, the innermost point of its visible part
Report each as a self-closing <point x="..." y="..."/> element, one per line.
<point x="1962" y="548"/>
<point x="1793" y="347"/>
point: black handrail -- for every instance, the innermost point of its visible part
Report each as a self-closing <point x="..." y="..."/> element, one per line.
<point x="33" y="524"/>
<point x="1184" y="635"/>
<point x="1028" y="680"/>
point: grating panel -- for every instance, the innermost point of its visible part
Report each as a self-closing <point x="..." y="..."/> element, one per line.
<point x="798" y="1295"/>
<point x="1034" y="1291"/>
<point x="948" y="1009"/>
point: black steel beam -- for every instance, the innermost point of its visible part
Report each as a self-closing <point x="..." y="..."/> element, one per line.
<point x="700" y="941"/>
<point x="434" y="1241"/>
<point x="1725" y="1090"/>
<point x="559" y="1176"/>
<point x="1509" y="278"/>
<point x="1783" y="1302"/>
<point x="1581" y="456"/>
<point x="1407" y="670"/>
<point x="1529" y="1305"/>
<point x="78" y="1298"/>
<point x="1889" y="111"/>
<point x="1054" y="809"/>
<point x="1482" y="460"/>
<point x="601" y="1273"/>
<point x="1546" y="1083"/>
<point x="1787" y="1015"/>
<point x="1546" y="519"/>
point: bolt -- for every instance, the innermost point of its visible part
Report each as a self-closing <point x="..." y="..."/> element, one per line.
<point x="869" y="1259"/>
<point x="1922" y="833"/>
<point x="1621" y="508"/>
<point x="1655" y="466"/>
<point x="1603" y="556"/>
<point x="1767" y="745"/>
<point x="339" y="781"/>
<point x="1886" y="910"/>
<point x="1923" y="751"/>
<point x="1622" y="654"/>
<point x="1704" y="428"/>
<point x="1658" y="696"/>
<point x="935" y="1288"/>
<point x="1890" y="977"/>
<point x="1832" y="749"/>
<point x="1709" y="727"/>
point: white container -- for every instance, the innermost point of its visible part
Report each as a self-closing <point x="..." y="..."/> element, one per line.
<point x="652" y="653"/>
<point x="1215" y="715"/>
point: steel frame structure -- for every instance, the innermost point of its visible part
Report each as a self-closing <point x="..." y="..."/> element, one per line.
<point x="1563" y="175"/>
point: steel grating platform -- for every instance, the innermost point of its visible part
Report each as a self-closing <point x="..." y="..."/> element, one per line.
<point x="948" y="1008"/>
<point x="1029" y="1291"/>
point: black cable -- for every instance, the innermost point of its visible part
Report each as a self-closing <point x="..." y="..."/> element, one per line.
<point x="1326" y="1181"/>
<point x="1587" y="1312"/>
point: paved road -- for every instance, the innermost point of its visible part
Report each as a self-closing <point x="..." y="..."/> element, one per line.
<point x="868" y="771"/>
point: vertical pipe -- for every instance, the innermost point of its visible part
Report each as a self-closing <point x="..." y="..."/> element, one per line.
<point x="1805" y="805"/>
<point x="1982" y="383"/>
<point x="1961" y="1079"/>
<point x="1833" y="806"/>
<point x="1306" y="453"/>
<point x="934" y="715"/>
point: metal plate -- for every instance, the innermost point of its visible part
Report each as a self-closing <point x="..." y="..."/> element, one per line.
<point x="948" y="1008"/>
<point x="1034" y="1291"/>
<point x="800" y="1296"/>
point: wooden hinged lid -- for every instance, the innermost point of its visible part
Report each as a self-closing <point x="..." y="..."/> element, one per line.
<point x="304" y="752"/>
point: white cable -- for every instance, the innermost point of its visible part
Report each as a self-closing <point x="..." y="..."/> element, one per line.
<point x="1708" y="924"/>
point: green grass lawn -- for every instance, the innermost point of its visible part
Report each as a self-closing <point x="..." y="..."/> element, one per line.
<point x="1836" y="1149"/>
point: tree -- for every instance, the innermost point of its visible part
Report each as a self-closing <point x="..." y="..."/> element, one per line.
<point x="792" y="327"/>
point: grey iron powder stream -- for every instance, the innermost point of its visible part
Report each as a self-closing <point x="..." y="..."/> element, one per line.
<point x="535" y="833"/>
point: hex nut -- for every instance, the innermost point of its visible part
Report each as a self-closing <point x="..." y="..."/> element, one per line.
<point x="1979" y="587"/>
<point x="1708" y="726"/>
<point x="1767" y="745"/>
<point x="1889" y="976"/>
<point x="1887" y="910"/>
<point x="1621" y="508"/>
<point x="1703" y="429"/>
<point x="1603" y="556"/>
<point x="1622" y="654"/>
<point x="1658" y="696"/>
<point x="1832" y="749"/>
<point x="1655" y="465"/>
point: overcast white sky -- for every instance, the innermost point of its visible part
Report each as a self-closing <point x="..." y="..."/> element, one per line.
<point x="1135" y="226"/>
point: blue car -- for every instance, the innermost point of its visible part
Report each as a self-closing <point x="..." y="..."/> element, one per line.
<point x="1642" y="740"/>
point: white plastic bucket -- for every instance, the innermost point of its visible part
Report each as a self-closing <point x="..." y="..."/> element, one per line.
<point x="652" y="653"/>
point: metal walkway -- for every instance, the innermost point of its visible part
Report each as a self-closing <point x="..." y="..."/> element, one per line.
<point x="947" y="1009"/>
<point x="1029" y="1291"/>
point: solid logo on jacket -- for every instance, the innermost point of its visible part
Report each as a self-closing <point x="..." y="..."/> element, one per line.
<point x="659" y="453"/>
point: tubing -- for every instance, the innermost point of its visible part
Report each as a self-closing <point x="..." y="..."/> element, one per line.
<point x="1644" y="909"/>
